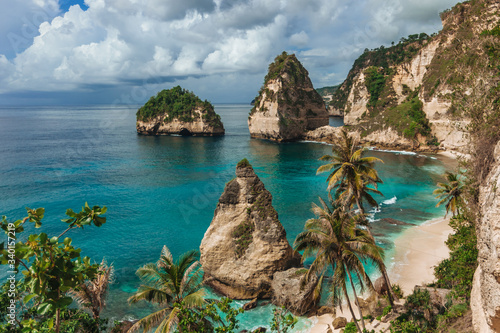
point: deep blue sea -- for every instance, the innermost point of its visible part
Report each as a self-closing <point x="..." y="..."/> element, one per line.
<point x="163" y="190"/>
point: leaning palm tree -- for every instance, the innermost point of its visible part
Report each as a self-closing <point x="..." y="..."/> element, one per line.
<point x="171" y="285"/>
<point x="336" y="241"/>
<point x="450" y="193"/>
<point x="92" y="294"/>
<point x="351" y="174"/>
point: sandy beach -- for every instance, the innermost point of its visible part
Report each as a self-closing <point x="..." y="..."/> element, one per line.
<point x="417" y="251"/>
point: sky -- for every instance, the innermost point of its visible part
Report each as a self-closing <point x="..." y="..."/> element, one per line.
<point x="78" y="52"/>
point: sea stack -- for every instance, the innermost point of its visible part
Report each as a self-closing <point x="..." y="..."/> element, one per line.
<point x="245" y="243"/>
<point x="287" y="105"/>
<point x="178" y="111"/>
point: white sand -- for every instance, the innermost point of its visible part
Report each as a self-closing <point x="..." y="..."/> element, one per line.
<point x="417" y="251"/>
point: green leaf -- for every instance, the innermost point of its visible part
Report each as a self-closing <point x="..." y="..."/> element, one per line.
<point x="64" y="302"/>
<point x="54" y="240"/>
<point x="28" y="297"/>
<point x="43" y="238"/>
<point x="45" y="309"/>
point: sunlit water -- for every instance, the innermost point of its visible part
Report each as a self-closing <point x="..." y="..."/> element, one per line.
<point x="163" y="190"/>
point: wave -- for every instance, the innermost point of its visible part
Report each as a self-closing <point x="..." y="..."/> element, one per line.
<point x="397" y="152"/>
<point x="390" y="201"/>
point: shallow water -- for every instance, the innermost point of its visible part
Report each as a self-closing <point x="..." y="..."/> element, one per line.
<point x="163" y="190"/>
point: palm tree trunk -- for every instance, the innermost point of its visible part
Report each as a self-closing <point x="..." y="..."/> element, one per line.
<point x="356" y="299"/>
<point x="383" y="270"/>
<point x="350" y="308"/>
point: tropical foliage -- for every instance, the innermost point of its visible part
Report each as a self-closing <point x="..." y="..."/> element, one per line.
<point x="457" y="271"/>
<point x="92" y="294"/>
<point x="336" y="242"/>
<point x="51" y="268"/>
<point x="173" y="286"/>
<point x="450" y="193"/>
<point x="352" y="175"/>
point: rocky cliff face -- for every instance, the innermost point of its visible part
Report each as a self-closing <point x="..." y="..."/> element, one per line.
<point x="425" y="85"/>
<point x="197" y="126"/>
<point x="485" y="296"/>
<point x="287" y="105"/>
<point x="245" y="243"/>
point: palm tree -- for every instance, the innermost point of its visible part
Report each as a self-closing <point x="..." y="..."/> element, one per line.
<point x="336" y="241"/>
<point x="92" y="294"/>
<point x="451" y="193"/>
<point x="352" y="175"/>
<point x="171" y="285"/>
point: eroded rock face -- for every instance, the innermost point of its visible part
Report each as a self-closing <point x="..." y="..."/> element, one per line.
<point x="245" y="244"/>
<point x="287" y="105"/>
<point x="485" y="296"/>
<point x="289" y="291"/>
<point x="199" y="126"/>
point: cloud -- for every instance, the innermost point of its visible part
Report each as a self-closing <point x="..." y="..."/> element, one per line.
<point x="124" y="44"/>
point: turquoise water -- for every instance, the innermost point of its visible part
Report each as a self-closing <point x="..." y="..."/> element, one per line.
<point x="163" y="190"/>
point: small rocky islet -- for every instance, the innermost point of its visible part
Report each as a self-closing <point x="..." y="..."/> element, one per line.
<point x="178" y="111"/>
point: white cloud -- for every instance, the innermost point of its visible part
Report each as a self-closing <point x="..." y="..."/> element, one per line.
<point x="299" y="39"/>
<point x="124" y="42"/>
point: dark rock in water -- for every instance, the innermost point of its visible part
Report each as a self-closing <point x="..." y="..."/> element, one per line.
<point x="394" y="221"/>
<point x="290" y="291"/>
<point x="265" y="303"/>
<point x="250" y="305"/>
<point x="260" y="330"/>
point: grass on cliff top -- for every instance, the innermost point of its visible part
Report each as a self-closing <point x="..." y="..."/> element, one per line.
<point x="243" y="164"/>
<point x="177" y="103"/>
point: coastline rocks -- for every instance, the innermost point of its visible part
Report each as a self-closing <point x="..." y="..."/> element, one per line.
<point x="339" y="322"/>
<point x="290" y="291"/>
<point x="250" y="305"/>
<point x="485" y="295"/>
<point x="245" y="244"/>
<point x="287" y="105"/>
<point x="178" y="111"/>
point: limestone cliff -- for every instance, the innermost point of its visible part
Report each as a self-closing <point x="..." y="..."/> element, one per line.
<point x="485" y="296"/>
<point x="287" y="104"/>
<point x="245" y="243"/>
<point x="178" y="111"/>
<point x="423" y="87"/>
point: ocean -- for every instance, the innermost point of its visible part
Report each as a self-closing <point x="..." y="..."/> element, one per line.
<point x="163" y="190"/>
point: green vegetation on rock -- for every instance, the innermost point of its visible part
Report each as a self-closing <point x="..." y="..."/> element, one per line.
<point x="178" y="103"/>
<point x="243" y="164"/>
<point x="381" y="57"/>
<point x="243" y="237"/>
<point x="328" y="90"/>
<point x="408" y="118"/>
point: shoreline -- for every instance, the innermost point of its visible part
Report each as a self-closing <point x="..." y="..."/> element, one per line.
<point x="416" y="251"/>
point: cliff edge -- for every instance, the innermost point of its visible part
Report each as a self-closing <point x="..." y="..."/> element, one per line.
<point x="423" y="87"/>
